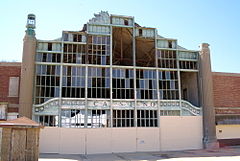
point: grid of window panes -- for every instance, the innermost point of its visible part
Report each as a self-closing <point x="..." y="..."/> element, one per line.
<point x="74" y="53"/>
<point x="74" y="37"/>
<point x="188" y="65"/>
<point x="49" y="46"/>
<point x="98" y="118"/>
<point x="48" y="120"/>
<point x="168" y="85"/>
<point x="73" y="82"/>
<point x="167" y="59"/>
<point x="146" y="84"/>
<point x="47" y="82"/>
<point x="73" y="118"/>
<point x="147" y="118"/>
<point x="122" y="83"/>
<point x="48" y="57"/>
<point x="98" y="82"/>
<point x="123" y="118"/>
<point x="98" y="50"/>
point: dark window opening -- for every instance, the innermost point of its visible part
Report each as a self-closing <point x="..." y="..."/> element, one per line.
<point x="126" y="22"/>
<point x="49" y="46"/>
<point x="44" y="57"/>
<point x="77" y="38"/>
<point x="140" y="32"/>
<point x="170" y="45"/>
<point x="74" y="38"/>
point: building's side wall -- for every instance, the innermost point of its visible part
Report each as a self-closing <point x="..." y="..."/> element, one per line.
<point x="228" y="135"/>
<point x="228" y="131"/>
<point x="8" y="70"/>
<point x="173" y="134"/>
<point x="226" y="89"/>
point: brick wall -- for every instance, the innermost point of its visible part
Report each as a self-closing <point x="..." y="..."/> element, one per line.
<point x="226" y="89"/>
<point x="8" y="70"/>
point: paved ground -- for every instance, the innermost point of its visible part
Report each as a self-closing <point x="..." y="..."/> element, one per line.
<point x="223" y="154"/>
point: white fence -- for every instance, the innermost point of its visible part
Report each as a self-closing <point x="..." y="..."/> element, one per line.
<point x="174" y="133"/>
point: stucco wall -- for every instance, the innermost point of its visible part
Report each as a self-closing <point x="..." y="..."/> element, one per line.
<point x="179" y="132"/>
<point x="228" y="131"/>
<point x="175" y="133"/>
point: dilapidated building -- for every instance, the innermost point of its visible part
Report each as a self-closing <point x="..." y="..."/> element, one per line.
<point x="119" y="78"/>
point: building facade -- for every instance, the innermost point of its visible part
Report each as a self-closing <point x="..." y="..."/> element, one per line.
<point x="117" y="77"/>
<point x="10" y="74"/>
<point x="113" y="73"/>
<point x="226" y="88"/>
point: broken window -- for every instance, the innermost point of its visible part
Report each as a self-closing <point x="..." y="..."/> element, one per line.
<point x="123" y="118"/>
<point x="147" y="118"/>
<point x="48" y="57"/>
<point x="74" y="53"/>
<point x="126" y="22"/>
<point x="72" y="118"/>
<point x="73" y="82"/>
<point x="146" y="84"/>
<point x="99" y="50"/>
<point x="170" y="45"/>
<point x="65" y="36"/>
<point x="168" y="85"/>
<point x="140" y="32"/>
<point x="47" y="83"/>
<point x="98" y="118"/>
<point x="77" y="38"/>
<point x="98" y="82"/>
<point x="122" y="83"/>
<point x="49" y="46"/>
<point x="167" y="59"/>
<point x="48" y="120"/>
<point x="188" y="65"/>
<point x="122" y="47"/>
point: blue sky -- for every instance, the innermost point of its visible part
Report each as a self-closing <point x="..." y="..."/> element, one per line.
<point x="192" y="22"/>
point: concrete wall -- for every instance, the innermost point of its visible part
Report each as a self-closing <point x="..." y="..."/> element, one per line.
<point x="173" y="134"/>
<point x="228" y="131"/>
<point x="179" y="132"/>
<point x="189" y="81"/>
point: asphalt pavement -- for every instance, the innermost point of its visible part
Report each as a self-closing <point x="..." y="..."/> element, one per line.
<point x="221" y="154"/>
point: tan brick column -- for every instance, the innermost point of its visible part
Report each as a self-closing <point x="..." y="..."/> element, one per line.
<point x="209" y="127"/>
<point x="27" y="76"/>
